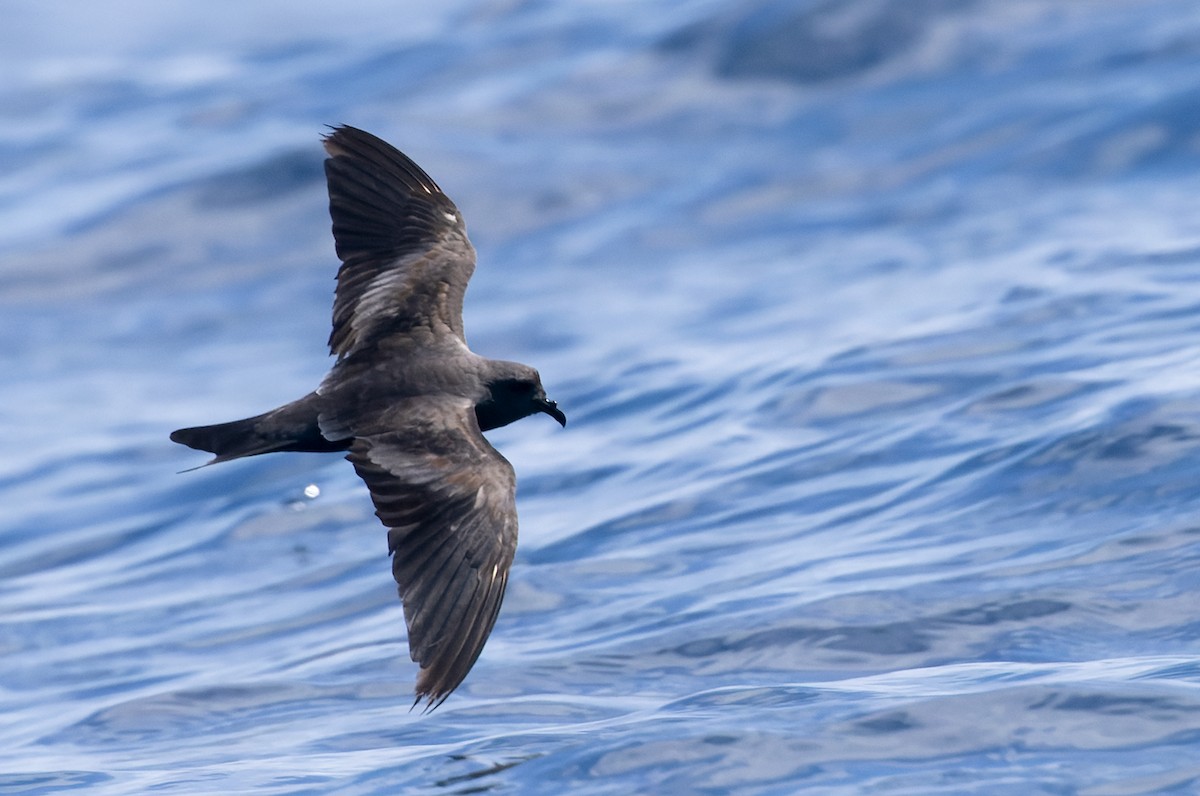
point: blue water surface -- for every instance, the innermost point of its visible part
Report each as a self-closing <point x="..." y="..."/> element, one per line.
<point x="877" y="323"/>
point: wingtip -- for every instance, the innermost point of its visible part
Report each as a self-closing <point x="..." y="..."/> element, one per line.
<point x="342" y="138"/>
<point x="433" y="694"/>
<point x="330" y="140"/>
<point x="432" y="702"/>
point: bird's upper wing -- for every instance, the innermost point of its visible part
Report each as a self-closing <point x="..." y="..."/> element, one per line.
<point x="449" y="500"/>
<point x="405" y="255"/>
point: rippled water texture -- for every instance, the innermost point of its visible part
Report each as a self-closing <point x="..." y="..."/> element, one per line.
<point x="876" y="322"/>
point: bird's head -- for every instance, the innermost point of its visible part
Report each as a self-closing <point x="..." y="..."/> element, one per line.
<point x="514" y="391"/>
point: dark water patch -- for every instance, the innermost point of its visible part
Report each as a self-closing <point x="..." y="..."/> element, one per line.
<point x="17" y="784"/>
<point x="277" y="176"/>
<point x="391" y="72"/>
<point x="1042" y="396"/>
<point x="764" y="698"/>
<point x="921" y="639"/>
<point x="470" y="782"/>
<point x="557" y="483"/>
<point x="813" y="43"/>
<point x="1015" y="612"/>
<point x="886" y="723"/>
<point x="195" y="716"/>
<point x="1136" y="140"/>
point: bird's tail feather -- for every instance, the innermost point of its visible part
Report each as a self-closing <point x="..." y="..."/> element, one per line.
<point x="292" y="427"/>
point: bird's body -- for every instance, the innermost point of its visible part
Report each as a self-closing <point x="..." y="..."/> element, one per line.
<point x="408" y="400"/>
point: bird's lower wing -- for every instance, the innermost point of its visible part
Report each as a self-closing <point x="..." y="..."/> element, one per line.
<point x="449" y="501"/>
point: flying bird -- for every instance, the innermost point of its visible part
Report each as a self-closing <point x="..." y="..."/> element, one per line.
<point x="409" y="402"/>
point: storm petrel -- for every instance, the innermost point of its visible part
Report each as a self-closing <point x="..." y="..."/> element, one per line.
<point x="409" y="401"/>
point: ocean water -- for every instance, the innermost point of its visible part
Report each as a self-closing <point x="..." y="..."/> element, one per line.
<point x="877" y="323"/>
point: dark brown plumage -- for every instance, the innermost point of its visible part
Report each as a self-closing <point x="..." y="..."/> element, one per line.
<point x="409" y="401"/>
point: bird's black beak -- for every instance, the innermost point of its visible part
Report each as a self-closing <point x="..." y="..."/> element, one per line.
<point x="551" y="408"/>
